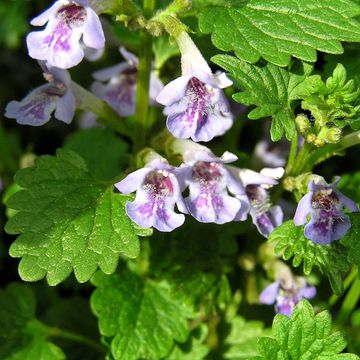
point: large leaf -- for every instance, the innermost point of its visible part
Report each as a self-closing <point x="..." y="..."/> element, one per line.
<point x="103" y="152"/>
<point x="140" y="316"/>
<point x="271" y="89"/>
<point x="68" y="221"/>
<point x="277" y="30"/>
<point x="22" y="337"/>
<point x="330" y="259"/>
<point x="304" y="336"/>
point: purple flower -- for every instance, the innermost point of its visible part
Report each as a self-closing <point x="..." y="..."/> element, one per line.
<point x="195" y="104"/>
<point x="157" y="192"/>
<point x="70" y="25"/>
<point x="209" y="182"/>
<point x="325" y="204"/>
<point x="265" y="216"/>
<point x="36" y="108"/>
<point x="120" y="90"/>
<point x="285" y="294"/>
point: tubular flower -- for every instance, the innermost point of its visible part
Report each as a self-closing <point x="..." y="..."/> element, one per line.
<point x="209" y="182"/>
<point x="120" y="90"/>
<point x="195" y="104"/>
<point x="286" y="293"/>
<point x="70" y="26"/>
<point x="36" y="108"/>
<point x="265" y="216"/>
<point x="157" y="192"/>
<point x="325" y="205"/>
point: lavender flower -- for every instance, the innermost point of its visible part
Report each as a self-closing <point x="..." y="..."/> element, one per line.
<point x="209" y="182"/>
<point x="195" y="105"/>
<point x="325" y="204"/>
<point x="70" y="24"/>
<point x="286" y="293"/>
<point x="120" y="90"/>
<point x="157" y="192"/>
<point x="36" y="108"/>
<point x="265" y="217"/>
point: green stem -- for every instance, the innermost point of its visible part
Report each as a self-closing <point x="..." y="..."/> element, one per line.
<point x="69" y="335"/>
<point x="349" y="303"/>
<point x="143" y="82"/>
<point x="107" y="116"/>
<point x="347" y="282"/>
<point x="292" y="155"/>
<point x="301" y="160"/>
<point x="330" y="150"/>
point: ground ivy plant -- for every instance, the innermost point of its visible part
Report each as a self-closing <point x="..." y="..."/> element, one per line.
<point x="183" y="182"/>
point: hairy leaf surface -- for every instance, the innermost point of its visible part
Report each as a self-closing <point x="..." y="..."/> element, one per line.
<point x="140" y="316"/>
<point x="277" y="30"/>
<point x="271" y="89"/>
<point x="68" y="221"/>
<point x="330" y="259"/>
<point x="303" y="336"/>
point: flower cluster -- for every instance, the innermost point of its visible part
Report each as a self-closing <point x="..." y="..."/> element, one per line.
<point x="195" y="104"/>
<point x="218" y="193"/>
<point x="286" y="292"/>
<point x="36" y="108"/>
<point x="196" y="108"/>
<point x="117" y="85"/>
<point x="70" y="26"/>
<point x="325" y="205"/>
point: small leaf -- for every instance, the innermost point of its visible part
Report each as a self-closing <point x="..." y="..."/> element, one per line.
<point x="277" y="30"/>
<point x="335" y="101"/>
<point x="271" y="89"/>
<point x="330" y="259"/>
<point x="143" y="320"/>
<point x="164" y="50"/>
<point x="193" y="349"/>
<point x="241" y="342"/>
<point x="22" y="337"/>
<point x="68" y="221"/>
<point x="351" y="240"/>
<point x="304" y="336"/>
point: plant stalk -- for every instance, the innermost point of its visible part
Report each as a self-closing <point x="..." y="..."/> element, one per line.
<point x="69" y="335"/>
<point x="107" y="116"/>
<point x="143" y="82"/>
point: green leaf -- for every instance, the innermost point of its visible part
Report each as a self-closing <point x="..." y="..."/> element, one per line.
<point x="190" y="262"/>
<point x="304" y="336"/>
<point x="241" y="343"/>
<point x="193" y="349"/>
<point x="140" y="316"/>
<point x="22" y="337"/>
<point x="68" y="221"/>
<point x="271" y="89"/>
<point x="350" y="186"/>
<point x="334" y="102"/>
<point x="163" y="50"/>
<point x="103" y="152"/>
<point x="350" y="59"/>
<point x="330" y="259"/>
<point x="277" y="30"/>
<point x="351" y="240"/>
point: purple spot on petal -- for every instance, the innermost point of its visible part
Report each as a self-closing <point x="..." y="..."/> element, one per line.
<point x="69" y="17"/>
<point x="73" y="15"/>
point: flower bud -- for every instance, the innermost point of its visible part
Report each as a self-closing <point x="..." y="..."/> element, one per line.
<point x="310" y="138"/>
<point x="319" y="142"/>
<point x="333" y="135"/>
<point x="302" y="123"/>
